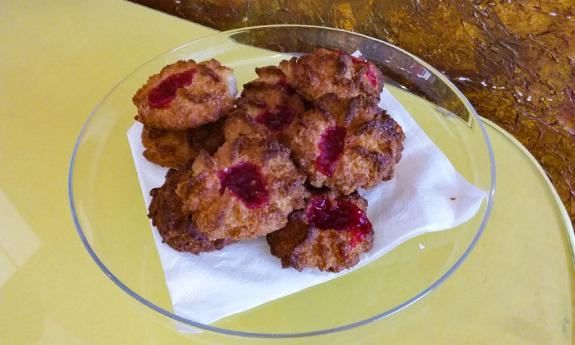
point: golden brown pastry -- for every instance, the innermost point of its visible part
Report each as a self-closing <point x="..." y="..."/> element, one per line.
<point x="176" y="227"/>
<point x="247" y="189"/>
<point x="176" y="148"/>
<point x="346" y="144"/>
<point x="329" y="234"/>
<point x="326" y="71"/>
<point x="267" y="107"/>
<point x="186" y="95"/>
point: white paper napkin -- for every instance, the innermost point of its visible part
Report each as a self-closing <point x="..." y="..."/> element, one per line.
<point x="419" y="199"/>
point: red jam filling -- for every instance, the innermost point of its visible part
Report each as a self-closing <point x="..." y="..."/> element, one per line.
<point x="358" y="235"/>
<point x="339" y="215"/>
<point x="371" y="75"/>
<point x="165" y="92"/>
<point x="246" y="182"/>
<point x="276" y="119"/>
<point x="330" y="149"/>
<point x="358" y="60"/>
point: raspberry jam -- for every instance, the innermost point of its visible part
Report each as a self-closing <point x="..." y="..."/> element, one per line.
<point x="371" y="75"/>
<point x="339" y="215"/>
<point x="246" y="182"/>
<point x="330" y="149"/>
<point x="276" y="119"/>
<point x="165" y="92"/>
<point x="358" y="60"/>
<point x="358" y="235"/>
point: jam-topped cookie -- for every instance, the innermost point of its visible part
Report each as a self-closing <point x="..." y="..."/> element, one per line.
<point x="245" y="190"/>
<point x="346" y="144"/>
<point x="186" y="95"/>
<point x="176" y="227"/>
<point x="326" y="71"/>
<point x="330" y="233"/>
<point x="267" y="107"/>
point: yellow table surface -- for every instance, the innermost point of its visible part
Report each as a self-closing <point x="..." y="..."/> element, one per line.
<point x="58" y="59"/>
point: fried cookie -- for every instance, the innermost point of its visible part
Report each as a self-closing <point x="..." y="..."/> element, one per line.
<point x="245" y="190"/>
<point x="176" y="148"/>
<point x="177" y="228"/>
<point x="329" y="234"/>
<point x="346" y="144"/>
<point x="325" y="71"/>
<point x="266" y="108"/>
<point x="186" y="95"/>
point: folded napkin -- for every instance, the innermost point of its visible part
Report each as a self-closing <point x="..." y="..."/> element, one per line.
<point x="426" y="194"/>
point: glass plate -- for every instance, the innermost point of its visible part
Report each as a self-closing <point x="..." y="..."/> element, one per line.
<point x="110" y="215"/>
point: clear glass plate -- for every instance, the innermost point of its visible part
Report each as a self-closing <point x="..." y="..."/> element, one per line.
<point x="110" y="215"/>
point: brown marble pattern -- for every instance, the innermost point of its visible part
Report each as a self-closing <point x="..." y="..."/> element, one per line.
<point x="514" y="59"/>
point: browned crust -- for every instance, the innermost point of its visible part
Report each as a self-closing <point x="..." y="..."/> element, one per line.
<point x="219" y="214"/>
<point x="177" y="228"/>
<point x="238" y="124"/>
<point x="270" y="74"/>
<point x="176" y="148"/>
<point x="325" y="71"/>
<point x="300" y="245"/>
<point x="268" y="93"/>
<point x="373" y="143"/>
<point x="205" y="100"/>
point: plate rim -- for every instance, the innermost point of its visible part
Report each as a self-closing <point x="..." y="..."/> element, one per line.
<point x="379" y="316"/>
